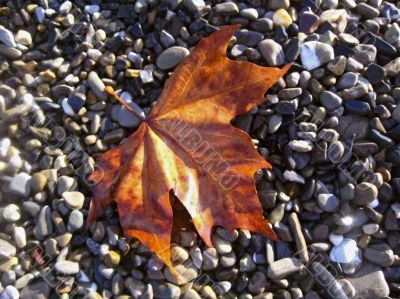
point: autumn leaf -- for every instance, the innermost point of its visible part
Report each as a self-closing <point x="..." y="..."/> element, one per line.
<point x="187" y="144"/>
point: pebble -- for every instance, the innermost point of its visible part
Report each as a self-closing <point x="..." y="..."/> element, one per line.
<point x="194" y="5"/>
<point x="23" y="37"/>
<point x="369" y="282"/>
<point x="171" y="57"/>
<point x="11" y="213"/>
<point x="330" y="100"/>
<point x="345" y="252"/>
<point x="379" y="254"/>
<point x="6" y="249"/>
<point x="96" y="85"/>
<point x="365" y="193"/>
<point x="315" y="54"/>
<point x="284" y="267"/>
<point x="9" y="292"/>
<point x="74" y="199"/>
<point x="272" y="52"/>
<point x="75" y="221"/>
<point x="328" y="202"/>
<point x="126" y="118"/>
<point x="67" y="267"/>
<point x="281" y="17"/>
<point x="21" y="184"/>
<point x="7" y="38"/>
<point x="227" y="9"/>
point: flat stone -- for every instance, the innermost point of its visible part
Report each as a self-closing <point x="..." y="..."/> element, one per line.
<point x="284" y="267"/>
<point x="369" y="282"/>
<point x="96" y="85"/>
<point x="21" y="184"/>
<point x="67" y="267"/>
<point x="171" y="57"/>
<point x="379" y="254"/>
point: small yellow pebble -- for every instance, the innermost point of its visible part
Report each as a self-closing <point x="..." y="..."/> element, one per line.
<point x="47" y="75"/>
<point x="31" y="7"/>
<point x="132" y="73"/>
<point x="282" y="17"/>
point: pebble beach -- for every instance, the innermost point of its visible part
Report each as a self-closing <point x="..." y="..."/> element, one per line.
<point x="330" y="129"/>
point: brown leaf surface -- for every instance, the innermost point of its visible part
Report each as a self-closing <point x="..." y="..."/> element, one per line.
<point x="187" y="144"/>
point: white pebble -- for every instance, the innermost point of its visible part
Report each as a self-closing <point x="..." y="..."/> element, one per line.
<point x="20" y="237"/>
<point x="373" y="204"/>
<point x="345" y="252"/>
<point x="67" y="108"/>
<point x="91" y="9"/>
<point x="4" y="146"/>
<point x="335" y="239"/>
<point x="60" y="162"/>
<point x="65" y="7"/>
<point x="7" y="38"/>
<point x="23" y="37"/>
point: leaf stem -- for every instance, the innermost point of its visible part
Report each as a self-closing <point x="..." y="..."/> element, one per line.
<point x="111" y="92"/>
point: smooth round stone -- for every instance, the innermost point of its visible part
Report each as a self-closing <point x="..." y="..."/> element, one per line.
<point x="96" y="85"/>
<point x="272" y="52"/>
<point x="357" y="107"/>
<point x="249" y="13"/>
<point x="20" y="237"/>
<point x="379" y="254"/>
<point x="40" y="14"/>
<point x="74" y="199"/>
<point x="345" y="252"/>
<point x="330" y="100"/>
<point x="226" y="8"/>
<point x="75" y="221"/>
<point x="21" y="184"/>
<point x="91" y="9"/>
<point x="365" y="193"/>
<point x="222" y="246"/>
<point x="274" y="123"/>
<point x="328" y="202"/>
<point x="11" y="213"/>
<point x="9" y="292"/>
<point x="194" y="5"/>
<point x="370" y="229"/>
<point x="171" y="57"/>
<point x="309" y="22"/>
<point x="23" y="37"/>
<point x="6" y="249"/>
<point x="315" y="54"/>
<point x="282" y="17"/>
<point x="7" y="38"/>
<point x="335" y="239"/>
<point x="248" y="37"/>
<point x="127" y="119"/>
<point x="67" y="267"/>
<point x="64" y="183"/>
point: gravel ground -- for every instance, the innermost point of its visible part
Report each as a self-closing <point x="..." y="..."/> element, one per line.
<point x="330" y="128"/>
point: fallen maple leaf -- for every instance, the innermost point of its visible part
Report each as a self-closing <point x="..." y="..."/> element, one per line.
<point x="187" y="144"/>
